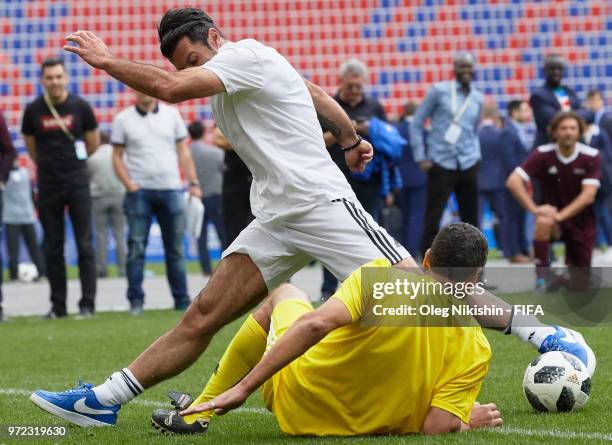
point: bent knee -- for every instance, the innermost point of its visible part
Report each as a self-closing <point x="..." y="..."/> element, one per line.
<point x="288" y="291"/>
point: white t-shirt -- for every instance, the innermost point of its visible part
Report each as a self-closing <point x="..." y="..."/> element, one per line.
<point x="268" y="116"/>
<point x="150" y="145"/>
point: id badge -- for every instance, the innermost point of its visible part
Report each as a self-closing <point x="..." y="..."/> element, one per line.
<point x="80" y="150"/>
<point x="452" y="134"/>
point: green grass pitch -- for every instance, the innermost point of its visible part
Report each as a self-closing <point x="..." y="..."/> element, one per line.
<point x="53" y="355"/>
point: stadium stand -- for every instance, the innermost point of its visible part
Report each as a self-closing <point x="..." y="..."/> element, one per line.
<point x="406" y="44"/>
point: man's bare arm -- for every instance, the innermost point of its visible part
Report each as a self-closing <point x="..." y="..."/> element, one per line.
<point x="191" y="83"/>
<point x="301" y="336"/>
<point x="186" y="163"/>
<point x="221" y="141"/>
<point x="121" y="169"/>
<point x="332" y="116"/>
<point x="30" y="143"/>
<point x="92" y="141"/>
<point x="516" y="185"/>
<point x="580" y="202"/>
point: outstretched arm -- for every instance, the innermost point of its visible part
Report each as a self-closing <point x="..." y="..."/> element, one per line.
<point x="191" y="83"/>
<point x="301" y="336"/>
<point x="334" y="119"/>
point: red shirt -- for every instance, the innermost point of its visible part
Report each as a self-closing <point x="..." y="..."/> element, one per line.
<point x="561" y="178"/>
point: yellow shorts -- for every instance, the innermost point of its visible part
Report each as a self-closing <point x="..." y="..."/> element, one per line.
<point x="283" y="316"/>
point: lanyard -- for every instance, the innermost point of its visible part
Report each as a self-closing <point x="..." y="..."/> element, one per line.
<point x="457" y="114"/>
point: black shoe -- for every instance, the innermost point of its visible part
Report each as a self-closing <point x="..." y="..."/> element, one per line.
<point x="52" y="315"/>
<point x="171" y="422"/>
<point x="181" y="306"/>
<point x="136" y="309"/>
<point x="84" y="314"/>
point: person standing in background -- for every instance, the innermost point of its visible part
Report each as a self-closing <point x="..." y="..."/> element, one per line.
<point x="597" y="138"/>
<point x="19" y="219"/>
<point x="453" y="149"/>
<point x="236" y="189"/>
<point x="514" y="141"/>
<point x="551" y="98"/>
<point x="494" y="168"/>
<point x="152" y="136"/>
<point x="412" y="196"/>
<point x="107" y="194"/>
<point x="60" y="131"/>
<point x="603" y="118"/>
<point x="208" y="161"/>
<point x="7" y="156"/>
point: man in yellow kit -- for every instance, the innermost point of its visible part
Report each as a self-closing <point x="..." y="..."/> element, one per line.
<point x="326" y="372"/>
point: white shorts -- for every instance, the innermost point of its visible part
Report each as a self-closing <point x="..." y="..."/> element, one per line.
<point x="340" y="234"/>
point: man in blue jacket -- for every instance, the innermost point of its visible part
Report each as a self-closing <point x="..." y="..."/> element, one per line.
<point x="492" y="174"/>
<point x="552" y="97"/>
<point x="412" y="196"/>
<point x="515" y="142"/>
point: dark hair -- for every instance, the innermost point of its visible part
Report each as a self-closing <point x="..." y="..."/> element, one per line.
<point x="48" y="63"/>
<point x="458" y="251"/>
<point x="178" y="23"/>
<point x="594" y="92"/>
<point x="563" y="115"/>
<point x="196" y="130"/>
<point x="409" y="109"/>
<point x="104" y="137"/>
<point x="514" y="105"/>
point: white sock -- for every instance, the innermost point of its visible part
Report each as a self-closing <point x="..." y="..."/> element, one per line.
<point x="529" y="329"/>
<point x="119" y="389"/>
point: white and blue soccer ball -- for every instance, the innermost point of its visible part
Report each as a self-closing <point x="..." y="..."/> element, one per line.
<point x="27" y="272"/>
<point x="557" y="382"/>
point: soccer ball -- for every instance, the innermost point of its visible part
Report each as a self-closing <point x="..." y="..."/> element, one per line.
<point x="27" y="272"/>
<point x="557" y="382"/>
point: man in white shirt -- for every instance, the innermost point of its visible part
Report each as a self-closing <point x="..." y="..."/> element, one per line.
<point x="152" y="135"/>
<point x="304" y="207"/>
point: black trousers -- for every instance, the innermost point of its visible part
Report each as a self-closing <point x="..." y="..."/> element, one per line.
<point x="236" y="206"/>
<point x="52" y="206"/>
<point x="14" y="232"/>
<point x="440" y="184"/>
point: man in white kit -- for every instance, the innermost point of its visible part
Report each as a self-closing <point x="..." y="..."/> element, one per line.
<point x="304" y="207"/>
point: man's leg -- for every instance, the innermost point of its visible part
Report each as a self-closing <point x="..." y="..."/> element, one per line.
<point x="466" y="191"/>
<point x="139" y="216"/>
<point x="51" y="210"/>
<point x="117" y="218"/>
<point x="544" y="231"/>
<point x="99" y="214"/>
<point x="79" y="209"/>
<point x="440" y="184"/>
<point x="203" y="241"/>
<point x="170" y="212"/>
<point x="12" y="246"/>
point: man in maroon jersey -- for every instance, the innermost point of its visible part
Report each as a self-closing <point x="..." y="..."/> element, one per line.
<point x="568" y="173"/>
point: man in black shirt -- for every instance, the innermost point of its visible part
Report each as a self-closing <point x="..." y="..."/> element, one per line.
<point x="60" y="130"/>
<point x="360" y="108"/>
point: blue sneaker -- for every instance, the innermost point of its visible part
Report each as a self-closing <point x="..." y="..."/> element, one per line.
<point x="568" y="340"/>
<point x="78" y="405"/>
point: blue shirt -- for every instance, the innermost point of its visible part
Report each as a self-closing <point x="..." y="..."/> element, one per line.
<point x="437" y="106"/>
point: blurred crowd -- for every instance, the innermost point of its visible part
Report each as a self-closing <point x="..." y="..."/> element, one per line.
<point x="454" y="155"/>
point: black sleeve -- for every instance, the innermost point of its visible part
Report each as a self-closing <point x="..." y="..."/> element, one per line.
<point x="27" y="122"/>
<point x="89" y="118"/>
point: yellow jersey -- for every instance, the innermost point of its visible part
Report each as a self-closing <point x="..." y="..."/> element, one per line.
<point x="378" y="380"/>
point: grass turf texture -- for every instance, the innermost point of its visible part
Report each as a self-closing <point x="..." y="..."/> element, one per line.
<point x="53" y="355"/>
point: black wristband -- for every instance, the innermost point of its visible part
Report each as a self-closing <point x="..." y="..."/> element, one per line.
<point x="355" y="145"/>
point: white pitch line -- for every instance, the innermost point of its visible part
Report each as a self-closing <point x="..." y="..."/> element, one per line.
<point x="141" y="402"/>
<point x="552" y="433"/>
<point x="504" y="430"/>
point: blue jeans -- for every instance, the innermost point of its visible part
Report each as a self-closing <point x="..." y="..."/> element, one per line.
<point x="169" y="209"/>
<point x="213" y="213"/>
